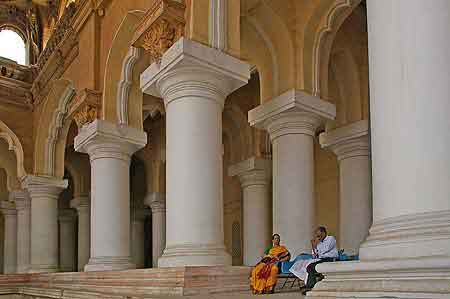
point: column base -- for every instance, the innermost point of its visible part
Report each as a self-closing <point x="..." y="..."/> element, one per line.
<point x="400" y="279"/>
<point x="109" y="263"/>
<point x="194" y="255"/>
<point x="23" y="269"/>
<point x="43" y="269"/>
<point x="412" y="236"/>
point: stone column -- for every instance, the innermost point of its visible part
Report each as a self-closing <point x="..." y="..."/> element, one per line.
<point x="351" y="146"/>
<point x="291" y="120"/>
<point x="194" y="81"/>
<point x="137" y="237"/>
<point x="409" y="92"/>
<point x="407" y="252"/>
<point x="67" y="222"/>
<point x="9" y="212"/>
<point x="157" y="203"/>
<point x="83" y="206"/>
<point x="254" y="175"/>
<point x="110" y="147"/>
<point x="23" y="205"/>
<point x="44" y="192"/>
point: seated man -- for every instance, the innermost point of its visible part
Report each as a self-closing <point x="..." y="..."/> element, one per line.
<point x="324" y="249"/>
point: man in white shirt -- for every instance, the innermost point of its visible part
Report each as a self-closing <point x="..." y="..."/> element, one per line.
<point x="323" y="248"/>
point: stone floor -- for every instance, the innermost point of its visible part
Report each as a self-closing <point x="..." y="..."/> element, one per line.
<point x="170" y="283"/>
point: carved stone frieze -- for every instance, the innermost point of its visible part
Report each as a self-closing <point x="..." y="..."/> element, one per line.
<point x="86" y="107"/>
<point x="15" y="84"/>
<point x="161" y="27"/>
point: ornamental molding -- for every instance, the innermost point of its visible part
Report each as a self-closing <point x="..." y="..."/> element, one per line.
<point x="86" y="108"/>
<point x="61" y="49"/>
<point x="161" y="27"/>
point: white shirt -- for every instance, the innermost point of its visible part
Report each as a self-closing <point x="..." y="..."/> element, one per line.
<point x="327" y="248"/>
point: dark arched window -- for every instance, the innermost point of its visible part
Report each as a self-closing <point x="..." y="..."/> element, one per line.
<point x="12" y="46"/>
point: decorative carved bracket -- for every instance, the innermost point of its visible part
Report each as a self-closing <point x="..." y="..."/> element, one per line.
<point x="161" y="27"/>
<point x="86" y="107"/>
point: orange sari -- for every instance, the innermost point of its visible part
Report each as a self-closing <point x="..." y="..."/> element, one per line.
<point x="264" y="274"/>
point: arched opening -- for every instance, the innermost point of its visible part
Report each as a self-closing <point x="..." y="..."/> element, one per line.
<point x="73" y="245"/>
<point x="346" y="85"/>
<point x="67" y="228"/>
<point x="141" y="235"/>
<point x="13" y="45"/>
<point x="240" y="142"/>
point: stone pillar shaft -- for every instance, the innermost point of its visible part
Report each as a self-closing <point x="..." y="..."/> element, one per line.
<point x="292" y="120"/>
<point x="194" y="81"/>
<point x="157" y="203"/>
<point x="137" y="237"/>
<point x="254" y="175"/>
<point x="110" y="148"/>
<point x="410" y="164"/>
<point x="82" y="205"/>
<point x="23" y="205"/>
<point x="9" y="212"/>
<point x="44" y="192"/>
<point x="67" y="221"/>
<point x="351" y="146"/>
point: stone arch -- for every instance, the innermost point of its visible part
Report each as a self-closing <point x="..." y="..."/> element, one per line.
<point x="270" y="49"/>
<point x="13" y="145"/>
<point x="324" y="30"/>
<point x="52" y="130"/>
<point x="119" y="77"/>
<point x="8" y="162"/>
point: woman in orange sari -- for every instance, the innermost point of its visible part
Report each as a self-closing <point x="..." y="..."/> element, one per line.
<point x="264" y="274"/>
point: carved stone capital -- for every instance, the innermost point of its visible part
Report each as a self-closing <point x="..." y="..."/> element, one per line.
<point x="161" y="27"/>
<point x="86" y="107"/>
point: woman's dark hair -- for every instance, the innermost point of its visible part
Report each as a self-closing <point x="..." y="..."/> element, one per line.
<point x="276" y="235"/>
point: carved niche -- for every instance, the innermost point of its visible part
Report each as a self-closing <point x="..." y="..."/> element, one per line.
<point x="161" y="27"/>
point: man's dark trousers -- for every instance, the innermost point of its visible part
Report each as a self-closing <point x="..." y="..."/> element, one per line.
<point x="313" y="274"/>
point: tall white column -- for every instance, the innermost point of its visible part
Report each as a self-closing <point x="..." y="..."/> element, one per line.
<point x="9" y="212"/>
<point x="67" y="250"/>
<point x="83" y="206"/>
<point x="351" y="146"/>
<point x="292" y="120"/>
<point x="44" y="192"/>
<point x="137" y="237"/>
<point x="157" y="203"/>
<point x="254" y="175"/>
<point x="110" y="147"/>
<point x="409" y="91"/>
<point x="194" y="81"/>
<point x="23" y="205"/>
<point x="407" y="252"/>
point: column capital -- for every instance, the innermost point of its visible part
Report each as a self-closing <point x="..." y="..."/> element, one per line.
<point x="253" y="171"/>
<point x="156" y="201"/>
<point x="80" y="202"/>
<point x="44" y="186"/>
<point x="293" y="112"/>
<point x="348" y="141"/>
<point x="190" y="69"/>
<point x="66" y="215"/>
<point x="7" y="208"/>
<point x="103" y="139"/>
<point x="21" y="198"/>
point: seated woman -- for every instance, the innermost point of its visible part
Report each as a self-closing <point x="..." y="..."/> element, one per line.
<point x="264" y="274"/>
